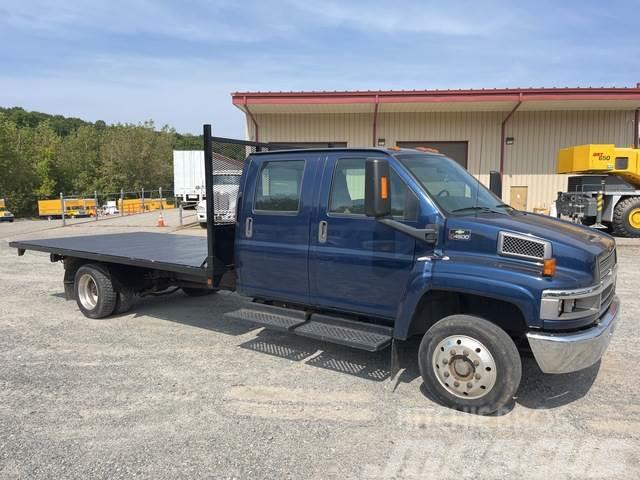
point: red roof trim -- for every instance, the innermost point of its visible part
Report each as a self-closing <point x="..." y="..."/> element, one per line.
<point x="435" y="96"/>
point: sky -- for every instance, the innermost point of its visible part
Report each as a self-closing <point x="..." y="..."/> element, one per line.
<point x="178" y="62"/>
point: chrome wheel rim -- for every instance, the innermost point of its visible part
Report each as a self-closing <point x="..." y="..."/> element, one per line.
<point x="464" y="367"/>
<point x="88" y="292"/>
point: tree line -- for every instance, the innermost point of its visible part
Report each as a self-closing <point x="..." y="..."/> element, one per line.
<point x="42" y="155"/>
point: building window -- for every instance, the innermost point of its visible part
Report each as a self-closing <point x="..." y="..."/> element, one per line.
<point x="457" y="151"/>
<point x="347" y="191"/>
<point x="278" y="188"/>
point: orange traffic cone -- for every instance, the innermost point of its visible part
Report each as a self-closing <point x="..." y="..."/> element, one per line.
<point x="160" y="221"/>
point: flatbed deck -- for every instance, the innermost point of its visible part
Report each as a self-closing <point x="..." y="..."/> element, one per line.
<point x="184" y="254"/>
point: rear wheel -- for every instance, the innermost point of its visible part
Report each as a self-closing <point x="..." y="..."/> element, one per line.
<point x="94" y="291"/>
<point x="203" y="225"/>
<point x="626" y="218"/>
<point x="470" y="364"/>
<point x="124" y="301"/>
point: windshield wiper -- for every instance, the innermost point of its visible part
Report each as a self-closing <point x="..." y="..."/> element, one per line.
<point x="474" y="208"/>
<point x="504" y="205"/>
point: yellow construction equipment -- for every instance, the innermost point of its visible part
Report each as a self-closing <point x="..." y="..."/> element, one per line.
<point x="5" y="215"/>
<point x="73" y="208"/>
<point x="607" y="191"/>
<point x="138" y="205"/>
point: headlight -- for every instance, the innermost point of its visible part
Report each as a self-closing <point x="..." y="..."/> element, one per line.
<point x="582" y="302"/>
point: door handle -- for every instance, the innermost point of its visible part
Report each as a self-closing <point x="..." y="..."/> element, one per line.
<point x="248" y="227"/>
<point x="322" y="232"/>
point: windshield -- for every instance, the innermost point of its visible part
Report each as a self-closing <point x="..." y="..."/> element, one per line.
<point x="454" y="189"/>
<point x="226" y="179"/>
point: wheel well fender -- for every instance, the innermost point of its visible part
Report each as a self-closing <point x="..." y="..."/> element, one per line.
<point x="510" y="306"/>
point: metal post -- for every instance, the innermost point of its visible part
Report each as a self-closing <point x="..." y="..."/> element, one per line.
<point x="95" y="203"/>
<point x="180" y="214"/>
<point x="121" y="201"/>
<point x="142" y="190"/>
<point x="600" y="205"/>
<point x="160" y="193"/>
<point x="64" y="220"/>
<point x="208" y="181"/>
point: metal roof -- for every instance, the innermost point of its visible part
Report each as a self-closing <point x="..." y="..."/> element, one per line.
<point x="597" y="98"/>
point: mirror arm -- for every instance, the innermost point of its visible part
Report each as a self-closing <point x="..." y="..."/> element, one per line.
<point x="429" y="234"/>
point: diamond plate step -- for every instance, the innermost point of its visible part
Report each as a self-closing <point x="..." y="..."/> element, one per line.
<point x="359" y="335"/>
<point x="275" y="318"/>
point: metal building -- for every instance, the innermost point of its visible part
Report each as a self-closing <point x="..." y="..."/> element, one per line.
<point x="516" y="131"/>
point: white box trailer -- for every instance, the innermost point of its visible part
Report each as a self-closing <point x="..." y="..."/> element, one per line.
<point x="188" y="175"/>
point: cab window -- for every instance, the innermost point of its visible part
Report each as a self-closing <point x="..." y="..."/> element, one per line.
<point x="278" y="186"/>
<point x="347" y="191"/>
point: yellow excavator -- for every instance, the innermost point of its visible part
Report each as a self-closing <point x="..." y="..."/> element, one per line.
<point x="606" y="194"/>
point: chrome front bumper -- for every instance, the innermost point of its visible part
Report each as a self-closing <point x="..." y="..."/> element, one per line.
<point x="570" y="352"/>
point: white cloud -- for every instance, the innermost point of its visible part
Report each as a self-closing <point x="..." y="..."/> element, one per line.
<point x="446" y="18"/>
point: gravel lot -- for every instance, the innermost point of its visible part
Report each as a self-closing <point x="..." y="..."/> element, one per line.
<point x="172" y="390"/>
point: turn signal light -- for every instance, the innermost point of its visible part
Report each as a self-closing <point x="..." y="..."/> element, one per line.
<point x="549" y="267"/>
<point x="384" y="188"/>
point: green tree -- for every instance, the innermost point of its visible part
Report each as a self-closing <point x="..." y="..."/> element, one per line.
<point x="17" y="179"/>
<point x="136" y="156"/>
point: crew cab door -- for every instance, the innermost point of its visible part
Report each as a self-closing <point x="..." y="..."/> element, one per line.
<point x="357" y="264"/>
<point x="272" y="235"/>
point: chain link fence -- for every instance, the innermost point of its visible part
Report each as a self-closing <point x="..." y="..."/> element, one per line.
<point x="94" y="206"/>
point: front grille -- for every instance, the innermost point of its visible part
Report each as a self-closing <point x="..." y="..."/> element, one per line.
<point x="606" y="262"/>
<point x="521" y="246"/>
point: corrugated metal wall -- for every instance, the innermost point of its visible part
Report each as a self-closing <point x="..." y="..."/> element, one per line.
<point x="530" y="161"/>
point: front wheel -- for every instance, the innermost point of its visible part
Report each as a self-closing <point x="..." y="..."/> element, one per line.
<point x="470" y="364"/>
<point x="626" y="218"/>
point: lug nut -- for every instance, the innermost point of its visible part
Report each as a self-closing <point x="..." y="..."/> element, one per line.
<point x="456" y="384"/>
<point x="445" y="361"/>
<point x="469" y="385"/>
<point x="446" y="374"/>
<point x="465" y="353"/>
<point x="476" y="363"/>
<point x="453" y="352"/>
<point x="478" y="376"/>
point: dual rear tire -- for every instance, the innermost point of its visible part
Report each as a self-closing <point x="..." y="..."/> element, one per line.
<point x="96" y="295"/>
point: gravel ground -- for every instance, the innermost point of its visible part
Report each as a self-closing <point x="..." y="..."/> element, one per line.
<point x="172" y="390"/>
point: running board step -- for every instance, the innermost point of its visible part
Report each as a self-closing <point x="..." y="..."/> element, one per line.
<point x="275" y="318"/>
<point x="363" y="336"/>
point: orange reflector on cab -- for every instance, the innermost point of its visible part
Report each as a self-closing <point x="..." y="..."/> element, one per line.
<point x="384" y="188"/>
<point x="549" y="267"/>
<point x="427" y="149"/>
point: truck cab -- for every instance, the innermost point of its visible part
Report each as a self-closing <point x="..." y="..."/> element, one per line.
<point x="411" y="242"/>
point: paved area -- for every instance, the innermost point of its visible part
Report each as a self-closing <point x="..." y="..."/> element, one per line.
<point x="172" y="390"/>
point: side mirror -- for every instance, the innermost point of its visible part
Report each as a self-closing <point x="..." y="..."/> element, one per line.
<point x="377" y="188"/>
<point x="495" y="183"/>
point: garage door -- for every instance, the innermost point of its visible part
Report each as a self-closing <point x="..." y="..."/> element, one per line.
<point x="454" y="150"/>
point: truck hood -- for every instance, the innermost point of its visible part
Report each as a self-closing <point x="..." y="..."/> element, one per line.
<point x="574" y="246"/>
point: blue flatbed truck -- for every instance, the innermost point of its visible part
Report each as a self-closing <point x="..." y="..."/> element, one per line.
<point x="367" y="247"/>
